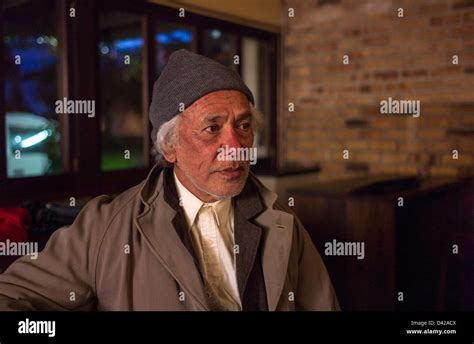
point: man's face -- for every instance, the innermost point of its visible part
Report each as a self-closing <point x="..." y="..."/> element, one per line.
<point x="219" y="119"/>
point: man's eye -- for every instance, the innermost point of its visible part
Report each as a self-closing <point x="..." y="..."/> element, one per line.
<point x="212" y="129"/>
<point x="245" y="126"/>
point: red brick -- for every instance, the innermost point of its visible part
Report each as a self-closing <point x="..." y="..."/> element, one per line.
<point x="385" y="75"/>
<point x="396" y="87"/>
<point x="394" y="158"/>
<point x="376" y="41"/>
<point x="460" y="4"/>
<point x="366" y="157"/>
<point x="346" y="134"/>
<point x="385" y="122"/>
<point x="399" y="134"/>
<point x="432" y="134"/>
<point x="383" y="145"/>
<point x="446" y="71"/>
<point x="414" y="73"/>
<point x="435" y="34"/>
<point x="431" y="8"/>
<point x="445" y="20"/>
<point x="468" y="17"/>
<point x="466" y="31"/>
<point x="357" y="145"/>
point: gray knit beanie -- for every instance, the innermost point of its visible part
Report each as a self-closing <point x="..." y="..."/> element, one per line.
<point x="186" y="78"/>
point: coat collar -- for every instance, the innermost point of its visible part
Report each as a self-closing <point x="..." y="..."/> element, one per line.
<point x="155" y="224"/>
<point x="277" y="243"/>
<point x="247" y="235"/>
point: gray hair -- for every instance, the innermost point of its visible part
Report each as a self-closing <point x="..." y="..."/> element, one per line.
<point x="167" y="136"/>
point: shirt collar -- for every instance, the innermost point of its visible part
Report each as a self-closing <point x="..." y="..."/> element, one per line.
<point x="191" y="205"/>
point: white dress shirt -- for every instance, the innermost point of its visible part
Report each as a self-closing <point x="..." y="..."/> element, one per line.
<point x="225" y="237"/>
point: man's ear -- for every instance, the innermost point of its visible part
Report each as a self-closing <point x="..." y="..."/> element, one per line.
<point x="170" y="157"/>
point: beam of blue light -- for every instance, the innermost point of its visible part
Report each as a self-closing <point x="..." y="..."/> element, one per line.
<point x="128" y="43"/>
<point x="176" y="36"/>
<point x="163" y="38"/>
<point x="184" y="36"/>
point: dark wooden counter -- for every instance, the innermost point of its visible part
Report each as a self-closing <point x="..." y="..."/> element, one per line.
<point x="407" y="248"/>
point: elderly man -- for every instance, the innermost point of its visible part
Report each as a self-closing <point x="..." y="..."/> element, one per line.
<point x="200" y="233"/>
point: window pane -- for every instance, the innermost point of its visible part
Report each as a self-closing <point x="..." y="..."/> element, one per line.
<point x="220" y="46"/>
<point x="169" y="38"/>
<point x="32" y="129"/>
<point x="256" y="74"/>
<point x="121" y="61"/>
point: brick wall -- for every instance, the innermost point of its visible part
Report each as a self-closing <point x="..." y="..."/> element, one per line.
<point x="337" y="105"/>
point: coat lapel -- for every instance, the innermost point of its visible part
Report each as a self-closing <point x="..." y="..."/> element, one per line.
<point x="155" y="224"/>
<point x="247" y="235"/>
<point x="276" y="250"/>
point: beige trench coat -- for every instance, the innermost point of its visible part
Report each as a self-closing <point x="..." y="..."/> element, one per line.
<point x="123" y="253"/>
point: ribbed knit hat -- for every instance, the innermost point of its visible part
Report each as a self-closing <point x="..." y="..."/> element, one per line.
<point x="186" y="78"/>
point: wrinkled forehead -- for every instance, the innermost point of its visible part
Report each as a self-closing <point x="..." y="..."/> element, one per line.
<point x="223" y="102"/>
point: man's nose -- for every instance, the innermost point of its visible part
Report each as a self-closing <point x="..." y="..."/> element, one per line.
<point x="231" y="138"/>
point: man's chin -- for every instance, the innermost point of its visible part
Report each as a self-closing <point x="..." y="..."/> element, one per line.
<point x="231" y="186"/>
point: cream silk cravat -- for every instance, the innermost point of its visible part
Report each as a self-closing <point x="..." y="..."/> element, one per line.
<point x="207" y="225"/>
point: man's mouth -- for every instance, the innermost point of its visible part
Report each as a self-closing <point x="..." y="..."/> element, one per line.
<point x="232" y="173"/>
